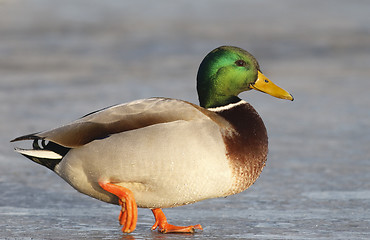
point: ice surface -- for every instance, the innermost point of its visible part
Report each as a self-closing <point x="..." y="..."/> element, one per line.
<point x="62" y="59"/>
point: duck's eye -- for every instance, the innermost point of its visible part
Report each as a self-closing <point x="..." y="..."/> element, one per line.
<point x="240" y="63"/>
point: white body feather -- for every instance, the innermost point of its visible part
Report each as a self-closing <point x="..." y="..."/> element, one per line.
<point x="160" y="164"/>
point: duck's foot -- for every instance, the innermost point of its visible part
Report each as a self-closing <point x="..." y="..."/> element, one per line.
<point x="165" y="227"/>
<point x="128" y="215"/>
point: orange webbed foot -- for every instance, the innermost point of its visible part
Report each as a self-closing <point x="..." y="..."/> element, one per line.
<point x="164" y="227"/>
<point x="128" y="215"/>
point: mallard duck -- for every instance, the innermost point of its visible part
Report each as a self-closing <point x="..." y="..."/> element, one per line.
<point x="160" y="152"/>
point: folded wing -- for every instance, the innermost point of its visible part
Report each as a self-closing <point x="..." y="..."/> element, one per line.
<point x="124" y="117"/>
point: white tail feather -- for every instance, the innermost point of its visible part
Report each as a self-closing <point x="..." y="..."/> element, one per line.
<point x="39" y="153"/>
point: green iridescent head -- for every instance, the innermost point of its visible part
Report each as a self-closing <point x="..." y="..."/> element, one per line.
<point x="227" y="71"/>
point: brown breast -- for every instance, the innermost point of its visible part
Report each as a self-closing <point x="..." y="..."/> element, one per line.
<point x="247" y="149"/>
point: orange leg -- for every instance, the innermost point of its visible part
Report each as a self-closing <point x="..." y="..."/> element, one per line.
<point x="128" y="214"/>
<point x="164" y="227"/>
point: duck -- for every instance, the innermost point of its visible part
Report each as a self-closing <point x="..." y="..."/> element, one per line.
<point x="161" y="152"/>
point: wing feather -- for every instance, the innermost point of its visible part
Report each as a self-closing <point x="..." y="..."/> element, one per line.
<point x="125" y="117"/>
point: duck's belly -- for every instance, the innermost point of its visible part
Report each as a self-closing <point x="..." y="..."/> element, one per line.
<point x="164" y="165"/>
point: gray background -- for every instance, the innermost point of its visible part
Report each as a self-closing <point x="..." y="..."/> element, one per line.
<point x="62" y="59"/>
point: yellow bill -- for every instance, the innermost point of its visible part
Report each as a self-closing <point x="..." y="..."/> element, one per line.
<point x="263" y="84"/>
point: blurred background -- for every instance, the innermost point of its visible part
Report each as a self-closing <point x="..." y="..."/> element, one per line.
<point x="62" y="59"/>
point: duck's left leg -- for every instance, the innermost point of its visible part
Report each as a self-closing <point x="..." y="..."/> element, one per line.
<point x="128" y="215"/>
<point x="165" y="227"/>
